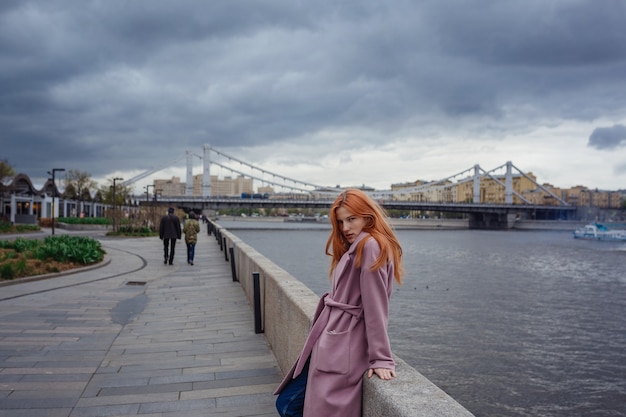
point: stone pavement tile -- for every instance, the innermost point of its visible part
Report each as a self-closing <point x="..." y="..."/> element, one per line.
<point x="37" y="403"/>
<point x="43" y="386"/>
<point x="145" y="389"/>
<point x="182" y="407"/>
<point x="247" y="373"/>
<point x="56" y="378"/>
<point x="30" y="412"/>
<point x="44" y="394"/>
<point x="127" y="399"/>
<point x="240" y="390"/>
<point x="261" y="400"/>
<point x="153" y="360"/>
<point x="197" y="377"/>
<point x="100" y="381"/>
<point x="48" y="371"/>
<point x="204" y="408"/>
<point x="105" y="410"/>
<point x="234" y="382"/>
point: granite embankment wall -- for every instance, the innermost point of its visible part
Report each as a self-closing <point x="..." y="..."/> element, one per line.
<point x="287" y="307"/>
<point x="441" y="224"/>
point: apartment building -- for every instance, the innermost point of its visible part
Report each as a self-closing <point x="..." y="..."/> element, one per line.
<point x="493" y="191"/>
<point x="169" y="188"/>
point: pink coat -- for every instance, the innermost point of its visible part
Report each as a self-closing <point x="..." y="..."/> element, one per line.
<point x="348" y="335"/>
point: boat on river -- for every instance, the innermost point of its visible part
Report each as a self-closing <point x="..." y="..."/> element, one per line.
<point x="596" y="231"/>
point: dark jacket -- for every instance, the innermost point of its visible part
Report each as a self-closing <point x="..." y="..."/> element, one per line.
<point x="169" y="227"/>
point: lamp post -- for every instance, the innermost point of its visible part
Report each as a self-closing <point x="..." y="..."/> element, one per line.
<point x="147" y="187"/>
<point x="54" y="191"/>
<point x="114" y="204"/>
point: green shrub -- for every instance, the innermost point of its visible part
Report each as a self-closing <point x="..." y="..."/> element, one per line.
<point x="84" y="220"/>
<point x="20" y="267"/>
<point x="23" y="245"/>
<point x="64" y="248"/>
<point x="6" y="271"/>
<point x="5" y="227"/>
<point x="27" y="228"/>
<point x="16" y="259"/>
<point x="135" y="231"/>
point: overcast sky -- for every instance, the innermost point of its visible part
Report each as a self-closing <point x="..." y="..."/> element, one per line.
<point x="344" y="92"/>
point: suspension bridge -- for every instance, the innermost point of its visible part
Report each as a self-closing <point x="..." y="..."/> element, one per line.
<point x="436" y="196"/>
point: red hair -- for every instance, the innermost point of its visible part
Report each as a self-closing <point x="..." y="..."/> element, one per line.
<point x="361" y="205"/>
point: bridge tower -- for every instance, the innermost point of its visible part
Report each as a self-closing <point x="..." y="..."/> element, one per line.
<point x="189" y="184"/>
<point x="206" y="174"/>
<point x="476" y="184"/>
<point x="508" y="184"/>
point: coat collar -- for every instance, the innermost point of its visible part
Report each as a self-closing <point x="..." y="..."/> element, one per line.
<point x="343" y="263"/>
<point x="359" y="238"/>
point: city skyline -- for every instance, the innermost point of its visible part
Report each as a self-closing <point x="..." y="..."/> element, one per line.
<point x="139" y="187"/>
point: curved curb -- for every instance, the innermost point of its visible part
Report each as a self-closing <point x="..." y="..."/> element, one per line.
<point x="104" y="262"/>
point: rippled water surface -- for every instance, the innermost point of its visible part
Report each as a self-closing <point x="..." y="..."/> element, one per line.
<point x="508" y="323"/>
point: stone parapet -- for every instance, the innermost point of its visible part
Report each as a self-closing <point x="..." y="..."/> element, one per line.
<point x="287" y="308"/>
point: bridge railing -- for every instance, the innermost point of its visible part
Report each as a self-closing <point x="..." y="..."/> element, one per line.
<point x="287" y="307"/>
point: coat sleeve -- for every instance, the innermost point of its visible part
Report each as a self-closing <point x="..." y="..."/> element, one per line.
<point x="375" y="295"/>
<point x="177" y="227"/>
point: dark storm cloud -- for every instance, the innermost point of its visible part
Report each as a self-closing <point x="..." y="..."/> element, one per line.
<point x="606" y="138"/>
<point x="534" y="33"/>
<point x="119" y="85"/>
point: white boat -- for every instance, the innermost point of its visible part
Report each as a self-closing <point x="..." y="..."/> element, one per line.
<point x="598" y="231"/>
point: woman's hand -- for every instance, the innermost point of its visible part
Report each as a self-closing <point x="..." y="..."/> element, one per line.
<point x="385" y="374"/>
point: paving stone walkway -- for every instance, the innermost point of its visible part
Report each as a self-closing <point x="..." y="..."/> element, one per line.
<point x="135" y="338"/>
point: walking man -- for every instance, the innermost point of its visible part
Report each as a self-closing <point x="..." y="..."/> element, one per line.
<point x="169" y="231"/>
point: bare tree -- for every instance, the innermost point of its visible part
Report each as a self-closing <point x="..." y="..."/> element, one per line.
<point x="116" y="198"/>
<point x="80" y="185"/>
<point x="6" y="171"/>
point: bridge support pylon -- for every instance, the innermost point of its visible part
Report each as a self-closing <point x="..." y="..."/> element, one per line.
<point x="492" y="221"/>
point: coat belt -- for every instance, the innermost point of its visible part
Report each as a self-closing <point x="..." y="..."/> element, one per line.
<point x="320" y="320"/>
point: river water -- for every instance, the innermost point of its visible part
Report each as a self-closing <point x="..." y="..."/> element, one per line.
<point x="509" y="323"/>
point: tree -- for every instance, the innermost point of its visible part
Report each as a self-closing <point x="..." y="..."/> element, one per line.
<point x="6" y="171"/>
<point x="108" y="195"/>
<point x="80" y="185"/>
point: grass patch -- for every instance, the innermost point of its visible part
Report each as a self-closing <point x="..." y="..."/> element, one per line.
<point x="8" y="228"/>
<point x="84" y="220"/>
<point x="134" y="231"/>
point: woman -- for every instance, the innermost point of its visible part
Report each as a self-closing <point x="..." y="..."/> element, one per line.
<point x="191" y="229"/>
<point x="349" y="331"/>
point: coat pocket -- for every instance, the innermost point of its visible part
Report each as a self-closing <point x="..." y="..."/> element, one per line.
<point x="333" y="352"/>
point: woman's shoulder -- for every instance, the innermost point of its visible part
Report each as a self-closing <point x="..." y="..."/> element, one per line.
<point x="370" y="243"/>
